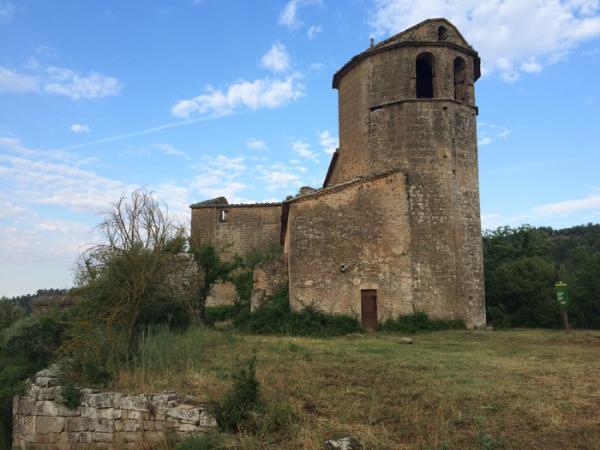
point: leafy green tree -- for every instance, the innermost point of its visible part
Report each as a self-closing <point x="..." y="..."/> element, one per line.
<point x="9" y="313"/>
<point x="522" y="264"/>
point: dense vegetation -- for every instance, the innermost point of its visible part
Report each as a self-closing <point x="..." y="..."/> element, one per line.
<point x="522" y="265"/>
<point x="276" y="317"/>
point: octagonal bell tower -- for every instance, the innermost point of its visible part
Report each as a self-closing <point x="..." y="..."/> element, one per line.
<point x="408" y="104"/>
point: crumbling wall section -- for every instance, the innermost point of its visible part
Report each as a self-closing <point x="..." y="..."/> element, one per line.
<point x="269" y="277"/>
<point x="107" y="420"/>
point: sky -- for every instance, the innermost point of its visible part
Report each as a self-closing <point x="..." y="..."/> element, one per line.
<point x="194" y="99"/>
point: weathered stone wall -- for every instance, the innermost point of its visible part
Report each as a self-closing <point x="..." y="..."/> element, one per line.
<point x="269" y="277"/>
<point x="221" y="294"/>
<point x="247" y="227"/>
<point x="388" y="76"/>
<point x="433" y="141"/>
<point x="351" y="237"/>
<point x="107" y="420"/>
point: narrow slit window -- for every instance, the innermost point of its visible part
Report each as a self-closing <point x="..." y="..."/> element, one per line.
<point x="223" y="215"/>
<point x="425" y="74"/>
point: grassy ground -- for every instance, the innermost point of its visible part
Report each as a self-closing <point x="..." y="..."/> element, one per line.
<point x="450" y="390"/>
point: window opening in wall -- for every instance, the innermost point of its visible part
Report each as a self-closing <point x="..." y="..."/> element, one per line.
<point x="425" y="74"/>
<point x="460" y="79"/>
<point x="223" y="215"/>
<point x="442" y="33"/>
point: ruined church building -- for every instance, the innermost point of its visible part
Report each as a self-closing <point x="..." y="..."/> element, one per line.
<point x="396" y="226"/>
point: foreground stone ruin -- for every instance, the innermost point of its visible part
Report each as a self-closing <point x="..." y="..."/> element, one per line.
<point x="107" y="420"/>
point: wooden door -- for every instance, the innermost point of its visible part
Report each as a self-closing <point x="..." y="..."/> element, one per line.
<point x="368" y="308"/>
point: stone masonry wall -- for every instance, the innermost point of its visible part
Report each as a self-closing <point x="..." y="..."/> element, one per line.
<point x="348" y="238"/>
<point x="107" y="420"/>
<point x="268" y="278"/>
<point x="247" y="227"/>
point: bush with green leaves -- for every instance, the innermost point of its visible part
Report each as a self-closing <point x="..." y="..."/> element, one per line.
<point x="212" y="270"/>
<point x="235" y="408"/>
<point x="243" y="276"/>
<point x="419" y="321"/>
<point x="26" y="347"/>
<point x="71" y="396"/>
<point x="10" y="312"/>
<point x="219" y="313"/>
<point x="276" y="317"/>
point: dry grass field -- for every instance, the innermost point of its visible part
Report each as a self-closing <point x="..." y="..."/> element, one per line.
<point x="522" y="389"/>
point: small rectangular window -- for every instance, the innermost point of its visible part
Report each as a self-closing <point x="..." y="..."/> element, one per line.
<point x="223" y="215"/>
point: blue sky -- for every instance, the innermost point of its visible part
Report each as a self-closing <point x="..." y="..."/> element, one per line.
<point x="198" y="98"/>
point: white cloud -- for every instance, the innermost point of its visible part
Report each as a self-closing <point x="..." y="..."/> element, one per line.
<point x="328" y="142"/>
<point x="277" y="59"/>
<point x="512" y="36"/>
<point x="279" y="179"/>
<point x="168" y="149"/>
<point x="289" y="14"/>
<point x="486" y="140"/>
<point x="176" y="199"/>
<point x="7" y="11"/>
<point x="45" y="239"/>
<point x="488" y="132"/>
<point x="261" y="93"/>
<point x="79" y="128"/>
<point x="256" y="144"/>
<point x="313" y="30"/>
<point x="219" y="176"/>
<point x="12" y="82"/>
<point x="8" y="210"/>
<point x="303" y="149"/>
<point x="76" y="86"/>
<point x="590" y="202"/>
<point x="55" y="177"/>
<point x="59" y="81"/>
<point x="531" y="66"/>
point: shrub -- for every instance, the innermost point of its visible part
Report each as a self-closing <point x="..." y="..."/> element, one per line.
<point x="497" y="317"/>
<point x="276" y="317"/>
<point x="243" y="276"/>
<point x="420" y="321"/>
<point x="219" y="313"/>
<point x="71" y="396"/>
<point x="243" y="398"/>
<point x="10" y="312"/>
<point x="27" y="347"/>
<point x="35" y="339"/>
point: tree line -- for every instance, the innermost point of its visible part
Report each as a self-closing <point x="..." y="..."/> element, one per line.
<point x="523" y="264"/>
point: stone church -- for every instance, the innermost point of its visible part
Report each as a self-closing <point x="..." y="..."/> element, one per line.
<point x="395" y="227"/>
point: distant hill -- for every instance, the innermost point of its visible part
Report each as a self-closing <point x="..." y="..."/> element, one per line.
<point x="45" y="295"/>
